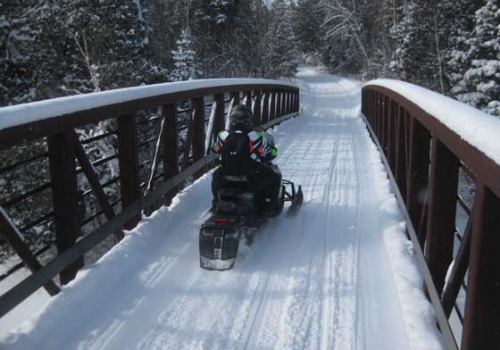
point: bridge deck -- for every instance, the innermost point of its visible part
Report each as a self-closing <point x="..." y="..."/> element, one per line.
<point x="323" y="280"/>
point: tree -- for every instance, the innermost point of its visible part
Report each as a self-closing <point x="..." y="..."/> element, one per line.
<point x="184" y="58"/>
<point x="403" y="34"/>
<point x="480" y="85"/>
<point x="346" y="51"/>
<point x="458" y="23"/>
<point x="283" y="54"/>
<point x="225" y="37"/>
<point x="419" y="49"/>
<point x="308" y="19"/>
<point x="163" y="34"/>
<point x="18" y="82"/>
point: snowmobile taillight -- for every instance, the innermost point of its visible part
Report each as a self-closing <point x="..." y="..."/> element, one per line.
<point x="220" y="220"/>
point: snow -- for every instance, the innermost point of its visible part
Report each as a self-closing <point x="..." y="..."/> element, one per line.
<point x="27" y="308"/>
<point x="25" y="113"/>
<point x="340" y="275"/>
<point x="139" y="10"/>
<point x="479" y="129"/>
<point x="417" y="311"/>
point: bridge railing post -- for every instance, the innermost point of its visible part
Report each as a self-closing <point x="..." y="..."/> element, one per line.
<point x="236" y="97"/>
<point x="257" y="115"/>
<point x="294" y="102"/>
<point x="378" y="117"/>
<point x="286" y="103"/>
<point x="283" y="103"/>
<point x="272" y="112"/>
<point x="248" y="97"/>
<point x="198" y="106"/>
<point x="188" y="142"/>
<point x="170" y="147"/>
<point x="65" y="201"/>
<point x="219" y="122"/>
<point x="442" y="204"/>
<point x="265" y="109"/>
<point x="418" y="175"/>
<point x="381" y="121"/>
<point x="481" y="328"/>
<point x="391" y="152"/>
<point x="277" y="104"/>
<point x="385" y="125"/>
<point x="401" y="152"/>
<point x="128" y="161"/>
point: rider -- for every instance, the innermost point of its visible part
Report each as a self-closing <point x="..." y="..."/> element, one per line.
<point x="246" y="155"/>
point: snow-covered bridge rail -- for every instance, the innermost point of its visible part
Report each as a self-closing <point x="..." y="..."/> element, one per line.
<point x="433" y="145"/>
<point x="157" y="137"/>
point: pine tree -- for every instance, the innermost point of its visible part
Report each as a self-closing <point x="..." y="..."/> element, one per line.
<point x="259" y="42"/>
<point x="211" y="23"/>
<point x="345" y="50"/>
<point x="163" y="33"/>
<point x="419" y="48"/>
<point x="480" y="85"/>
<point x="403" y="33"/>
<point x="18" y="83"/>
<point x="283" y="54"/>
<point x="184" y="58"/>
<point x="457" y="22"/>
<point x="308" y="19"/>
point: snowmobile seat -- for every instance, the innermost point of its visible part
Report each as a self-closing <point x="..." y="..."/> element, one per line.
<point x="235" y="202"/>
<point x="235" y="193"/>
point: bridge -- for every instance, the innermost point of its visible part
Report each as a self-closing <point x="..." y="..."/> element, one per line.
<point x="387" y="251"/>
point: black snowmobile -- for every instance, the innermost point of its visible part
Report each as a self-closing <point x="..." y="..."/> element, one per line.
<point x="236" y="215"/>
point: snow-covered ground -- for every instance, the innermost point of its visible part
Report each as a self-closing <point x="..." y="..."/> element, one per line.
<point x="338" y="276"/>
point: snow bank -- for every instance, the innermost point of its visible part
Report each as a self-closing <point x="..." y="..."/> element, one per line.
<point x="36" y="111"/>
<point x="417" y="311"/>
<point x="479" y="129"/>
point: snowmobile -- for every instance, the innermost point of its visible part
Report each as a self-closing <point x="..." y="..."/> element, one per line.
<point x="237" y="214"/>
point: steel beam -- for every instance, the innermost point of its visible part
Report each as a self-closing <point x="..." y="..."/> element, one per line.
<point x="418" y="175"/>
<point x="481" y="328"/>
<point x="67" y="214"/>
<point x="128" y="162"/>
<point x="442" y="192"/>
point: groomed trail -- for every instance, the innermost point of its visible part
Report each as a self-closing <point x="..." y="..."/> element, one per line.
<point x="321" y="280"/>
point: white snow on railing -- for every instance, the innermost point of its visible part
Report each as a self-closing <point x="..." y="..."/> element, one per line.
<point x="479" y="129"/>
<point x="36" y="111"/>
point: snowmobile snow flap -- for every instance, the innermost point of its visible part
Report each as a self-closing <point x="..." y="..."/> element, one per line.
<point x="219" y="241"/>
<point x="221" y="233"/>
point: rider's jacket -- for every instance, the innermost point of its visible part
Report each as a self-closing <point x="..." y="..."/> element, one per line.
<point x="261" y="144"/>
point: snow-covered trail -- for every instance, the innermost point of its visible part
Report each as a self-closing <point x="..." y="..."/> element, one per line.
<point x="321" y="280"/>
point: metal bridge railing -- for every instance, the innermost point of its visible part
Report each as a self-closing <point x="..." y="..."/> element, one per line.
<point x="157" y="141"/>
<point x="428" y="164"/>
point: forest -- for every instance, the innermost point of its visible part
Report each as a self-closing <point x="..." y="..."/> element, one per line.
<point x="53" y="48"/>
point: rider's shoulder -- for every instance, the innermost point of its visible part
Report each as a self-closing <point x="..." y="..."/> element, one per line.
<point x="255" y="135"/>
<point x="223" y="134"/>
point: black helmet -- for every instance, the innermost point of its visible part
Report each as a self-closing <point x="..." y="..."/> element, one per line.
<point x="241" y="117"/>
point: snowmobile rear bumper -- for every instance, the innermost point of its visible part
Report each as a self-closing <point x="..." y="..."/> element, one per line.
<point x="219" y="246"/>
<point x="216" y="264"/>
